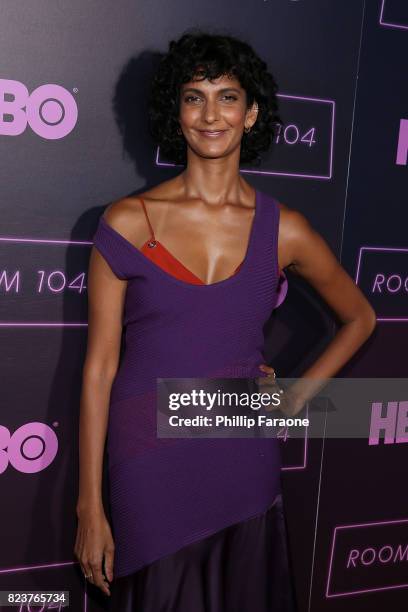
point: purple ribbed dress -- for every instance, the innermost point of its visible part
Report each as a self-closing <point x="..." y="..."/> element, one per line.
<point x="169" y="495"/>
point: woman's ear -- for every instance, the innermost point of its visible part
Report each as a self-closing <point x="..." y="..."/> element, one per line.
<point x="252" y="114"/>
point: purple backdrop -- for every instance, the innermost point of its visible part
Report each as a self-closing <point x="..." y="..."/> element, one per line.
<point x="67" y="151"/>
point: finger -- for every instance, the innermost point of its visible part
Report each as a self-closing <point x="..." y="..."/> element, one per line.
<point x="109" y="555"/>
<point x="267" y="369"/>
<point x="98" y="578"/>
<point x="269" y="378"/>
<point x="87" y="570"/>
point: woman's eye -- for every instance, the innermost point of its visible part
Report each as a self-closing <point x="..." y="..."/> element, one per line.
<point x="196" y="98"/>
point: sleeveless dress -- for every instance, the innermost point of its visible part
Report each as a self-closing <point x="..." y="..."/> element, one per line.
<point x="198" y="524"/>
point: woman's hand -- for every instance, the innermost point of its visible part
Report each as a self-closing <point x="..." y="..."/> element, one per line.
<point x="267" y="369"/>
<point x="267" y="384"/>
<point x="290" y="403"/>
<point x="94" y="543"/>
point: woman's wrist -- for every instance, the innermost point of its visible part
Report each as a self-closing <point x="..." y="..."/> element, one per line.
<point x="86" y="506"/>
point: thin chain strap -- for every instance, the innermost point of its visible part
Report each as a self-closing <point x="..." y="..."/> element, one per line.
<point x="152" y="242"/>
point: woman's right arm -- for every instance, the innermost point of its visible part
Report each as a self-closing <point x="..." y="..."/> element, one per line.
<point x="105" y="310"/>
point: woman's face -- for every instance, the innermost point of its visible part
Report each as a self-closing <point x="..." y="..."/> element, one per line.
<point x="213" y="115"/>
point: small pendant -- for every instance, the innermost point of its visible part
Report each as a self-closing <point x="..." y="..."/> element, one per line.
<point x="151" y="244"/>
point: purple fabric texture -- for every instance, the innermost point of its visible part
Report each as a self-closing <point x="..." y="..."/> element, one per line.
<point x="168" y="493"/>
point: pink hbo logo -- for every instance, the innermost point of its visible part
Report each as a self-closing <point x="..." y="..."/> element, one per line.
<point x="50" y="111"/>
<point x="31" y="448"/>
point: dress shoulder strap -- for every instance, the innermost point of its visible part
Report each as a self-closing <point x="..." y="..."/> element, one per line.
<point x="152" y="239"/>
<point x="112" y="246"/>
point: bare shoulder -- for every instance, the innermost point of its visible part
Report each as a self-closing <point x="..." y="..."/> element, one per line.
<point x="293" y="225"/>
<point x="298" y="241"/>
<point x="126" y="215"/>
<point x="120" y="211"/>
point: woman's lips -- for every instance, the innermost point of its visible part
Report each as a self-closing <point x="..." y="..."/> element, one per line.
<point x="210" y="134"/>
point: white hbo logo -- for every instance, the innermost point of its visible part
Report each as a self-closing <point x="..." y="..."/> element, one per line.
<point x="30" y="449"/>
<point x="51" y="110"/>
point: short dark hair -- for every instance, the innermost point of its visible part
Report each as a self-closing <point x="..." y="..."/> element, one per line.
<point x="215" y="55"/>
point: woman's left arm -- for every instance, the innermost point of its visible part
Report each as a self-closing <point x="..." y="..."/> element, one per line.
<point x="310" y="256"/>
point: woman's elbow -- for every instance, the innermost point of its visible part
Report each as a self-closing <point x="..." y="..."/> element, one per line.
<point x="100" y="371"/>
<point x="368" y="320"/>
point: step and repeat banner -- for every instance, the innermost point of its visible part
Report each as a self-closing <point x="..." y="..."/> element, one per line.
<point x="73" y="137"/>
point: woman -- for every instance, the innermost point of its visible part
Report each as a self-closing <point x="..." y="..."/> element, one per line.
<point x="192" y="268"/>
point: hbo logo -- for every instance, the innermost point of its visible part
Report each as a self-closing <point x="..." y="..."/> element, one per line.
<point x="31" y="448"/>
<point x="50" y="110"/>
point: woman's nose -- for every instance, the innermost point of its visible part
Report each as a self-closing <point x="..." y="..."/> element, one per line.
<point x="210" y="111"/>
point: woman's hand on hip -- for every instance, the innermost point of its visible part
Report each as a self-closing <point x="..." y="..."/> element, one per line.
<point x="290" y="403"/>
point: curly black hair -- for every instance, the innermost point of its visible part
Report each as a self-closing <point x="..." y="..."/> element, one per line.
<point x="215" y="55"/>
